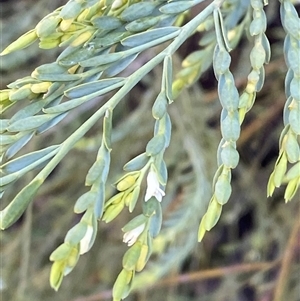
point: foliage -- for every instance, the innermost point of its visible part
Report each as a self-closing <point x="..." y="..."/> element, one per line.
<point x="100" y="40"/>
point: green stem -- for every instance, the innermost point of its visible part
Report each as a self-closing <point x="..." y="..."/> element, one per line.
<point x="65" y="147"/>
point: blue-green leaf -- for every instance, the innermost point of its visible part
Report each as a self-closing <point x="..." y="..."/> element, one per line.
<point x="137" y="10"/>
<point x="155" y="145"/>
<point x="139" y="39"/>
<point x="89" y="88"/>
<point x="26" y="160"/>
<point x="19" y="204"/>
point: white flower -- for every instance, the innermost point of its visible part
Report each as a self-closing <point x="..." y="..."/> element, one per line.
<point x="86" y="240"/>
<point x="116" y="4"/>
<point x="153" y="188"/>
<point x="131" y="236"/>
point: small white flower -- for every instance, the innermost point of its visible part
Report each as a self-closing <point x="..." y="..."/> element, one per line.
<point x="85" y="241"/>
<point x="116" y="4"/>
<point x="131" y="236"/>
<point x="153" y="188"/>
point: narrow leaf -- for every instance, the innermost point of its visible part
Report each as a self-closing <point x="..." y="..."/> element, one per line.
<point x="18" y="205"/>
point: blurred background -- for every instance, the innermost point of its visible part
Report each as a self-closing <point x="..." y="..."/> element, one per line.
<point x="253" y="253"/>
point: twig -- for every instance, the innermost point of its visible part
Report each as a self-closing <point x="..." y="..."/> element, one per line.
<point x="196" y="276"/>
<point x="287" y="261"/>
<point x="217" y="273"/>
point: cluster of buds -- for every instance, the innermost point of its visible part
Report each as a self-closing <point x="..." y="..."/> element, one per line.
<point x="129" y="190"/>
<point x="139" y="233"/>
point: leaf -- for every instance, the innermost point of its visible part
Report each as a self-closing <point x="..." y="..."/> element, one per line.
<point x="102" y="59"/>
<point x="71" y="260"/>
<point x="261" y="79"/>
<point x="121" y="285"/>
<point x="28" y="111"/>
<point x="28" y="159"/>
<point x="131" y="256"/>
<point x="142" y="24"/>
<point x="230" y="126"/>
<point x="257" y="56"/>
<point x="96" y="86"/>
<point x="229" y="156"/>
<point x="290" y="19"/>
<point x="156" y="221"/>
<point x="134" y="223"/>
<point x="75" y="234"/>
<point x="51" y="123"/>
<point x="292" y="148"/>
<point x="221" y="62"/>
<point x="293" y="59"/>
<point x="56" y="274"/>
<point x="77" y="55"/>
<point x="168" y="77"/>
<point x="106" y="22"/>
<point x="20" y="93"/>
<point x="30" y="123"/>
<point x="227" y="91"/>
<point x="60" y="252"/>
<point x="14" y="148"/>
<point x="295" y="87"/>
<point x="19" y="204"/>
<point x="128" y="180"/>
<point x="112" y="212"/>
<point x="47" y="26"/>
<point x="85" y="201"/>
<point x="134" y="197"/>
<point x="159" y="34"/>
<point x="291" y="189"/>
<point x="160" y="106"/>
<point x="164" y="126"/>
<point x="8" y="179"/>
<point x="143" y="258"/>
<point x="64" y="108"/>
<point x="22" y="42"/>
<point x="213" y="214"/>
<point x="222" y="190"/>
<point x="177" y="7"/>
<point x="3" y="125"/>
<point x="96" y="170"/>
<point x="137" y="10"/>
<point x="58" y="77"/>
<point x="71" y="10"/>
<point x="51" y="68"/>
<point x="280" y="169"/>
<point x="99" y="188"/>
<point x="67" y="52"/>
<point x="258" y="25"/>
<point x="265" y="43"/>
<point x="155" y="145"/>
<point x="136" y="163"/>
<point x="201" y="230"/>
<point x="271" y="187"/>
<point x="107" y="129"/>
<point x="8" y="139"/>
<point x="120" y="65"/>
<point x="294" y="118"/>
<point x="293" y="172"/>
<point x="108" y="40"/>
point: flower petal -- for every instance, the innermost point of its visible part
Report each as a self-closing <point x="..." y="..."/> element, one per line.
<point x="85" y="241"/>
<point x="130" y="237"/>
<point x="153" y="187"/>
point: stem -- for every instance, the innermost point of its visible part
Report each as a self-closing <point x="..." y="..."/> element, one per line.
<point x="284" y="273"/>
<point x="185" y="32"/>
